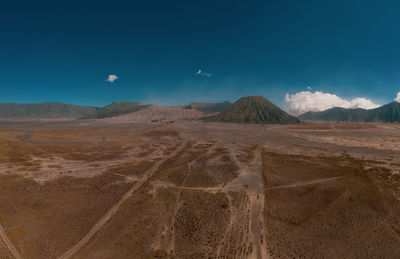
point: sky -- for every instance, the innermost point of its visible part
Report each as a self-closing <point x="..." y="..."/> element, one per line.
<point x="298" y="54"/>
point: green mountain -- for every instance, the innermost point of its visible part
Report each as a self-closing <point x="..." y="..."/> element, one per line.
<point x="116" y="109"/>
<point x="254" y="109"/>
<point x="386" y="113"/>
<point x="47" y="110"/>
<point x="208" y="108"/>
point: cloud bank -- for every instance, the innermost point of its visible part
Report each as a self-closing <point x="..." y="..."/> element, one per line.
<point x="398" y="97"/>
<point x="112" y="78"/>
<point x="305" y="101"/>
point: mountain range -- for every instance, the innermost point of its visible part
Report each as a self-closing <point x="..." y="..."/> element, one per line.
<point x="47" y="110"/>
<point x="386" y="113"/>
<point x="54" y="110"/>
<point x="251" y="109"/>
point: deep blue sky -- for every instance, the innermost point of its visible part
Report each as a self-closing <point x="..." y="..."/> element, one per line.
<point x="64" y="50"/>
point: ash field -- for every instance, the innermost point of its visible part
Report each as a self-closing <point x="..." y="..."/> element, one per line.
<point x="95" y="189"/>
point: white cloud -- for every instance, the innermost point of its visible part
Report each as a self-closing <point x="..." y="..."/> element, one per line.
<point x="398" y="97"/>
<point x="112" y="78"/>
<point x="202" y="73"/>
<point x="305" y="101"/>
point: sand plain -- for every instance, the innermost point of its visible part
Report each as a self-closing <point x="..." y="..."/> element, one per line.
<point x="96" y="189"/>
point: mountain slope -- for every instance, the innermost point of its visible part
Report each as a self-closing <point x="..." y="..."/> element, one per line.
<point x="47" y="110"/>
<point x="208" y="108"/>
<point x="254" y="109"/>
<point x="116" y="109"/>
<point x="157" y="113"/>
<point x="386" y="113"/>
<point x="336" y="114"/>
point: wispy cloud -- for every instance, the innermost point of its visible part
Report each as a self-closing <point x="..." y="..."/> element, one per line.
<point x="305" y="101"/>
<point x="111" y="78"/>
<point x="398" y="97"/>
<point x="202" y="73"/>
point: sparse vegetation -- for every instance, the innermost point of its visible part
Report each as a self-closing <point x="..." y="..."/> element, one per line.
<point x="214" y="191"/>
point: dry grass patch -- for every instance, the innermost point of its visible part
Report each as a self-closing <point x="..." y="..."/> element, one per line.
<point x="44" y="220"/>
<point x="345" y="217"/>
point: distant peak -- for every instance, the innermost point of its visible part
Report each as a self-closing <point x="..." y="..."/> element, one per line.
<point x="254" y="109"/>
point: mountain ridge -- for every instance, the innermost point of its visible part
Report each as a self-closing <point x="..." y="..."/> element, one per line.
<point x="45" y="110"/>
<point x="386" y="113"/>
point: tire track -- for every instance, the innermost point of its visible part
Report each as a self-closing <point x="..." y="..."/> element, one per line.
<point x="241" y="227"/>
<point x="300" y="184"/>
<point x="178" y="206"/>
<point x="228" y="228"/>
<point x="252" y="232"/>
<point x="114" y="209"/>
<point x="8" y="243"/>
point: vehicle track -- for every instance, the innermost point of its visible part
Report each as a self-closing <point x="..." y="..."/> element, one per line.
<point x="8" y="243"/>
<point x="178" y="206"/>
<point x="246" y="224"/>
<point x="228" y="228"/>
<point x="256" y="198"/>
<point x="300" y="184"/>
<point x="241" y="228"/>
<point x="114" y="209"/>
<point x="232" y="234"/>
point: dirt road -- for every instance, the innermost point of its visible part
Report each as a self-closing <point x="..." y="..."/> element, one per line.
<point x="251" y="176"/>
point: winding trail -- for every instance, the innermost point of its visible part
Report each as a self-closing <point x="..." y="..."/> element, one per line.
<point x="114" y="209"/>
<point x="8" y="243"/>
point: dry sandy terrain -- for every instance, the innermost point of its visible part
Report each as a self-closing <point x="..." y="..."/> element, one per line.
<point x="97" y="189"/>
<point x="157" y="113"/>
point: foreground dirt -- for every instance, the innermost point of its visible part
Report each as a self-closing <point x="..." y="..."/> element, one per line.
<point x="195" y="190"/>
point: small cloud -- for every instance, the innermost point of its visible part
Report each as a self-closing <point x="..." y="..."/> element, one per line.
<point x="309" y="88"/>
<point x="305" y="101"/>
<point x="397" y="98"/>
<point x="202" y="73"/>
<point x="111" y="78"/>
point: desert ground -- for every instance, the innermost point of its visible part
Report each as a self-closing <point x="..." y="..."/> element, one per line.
<point x="96" y="189"/>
